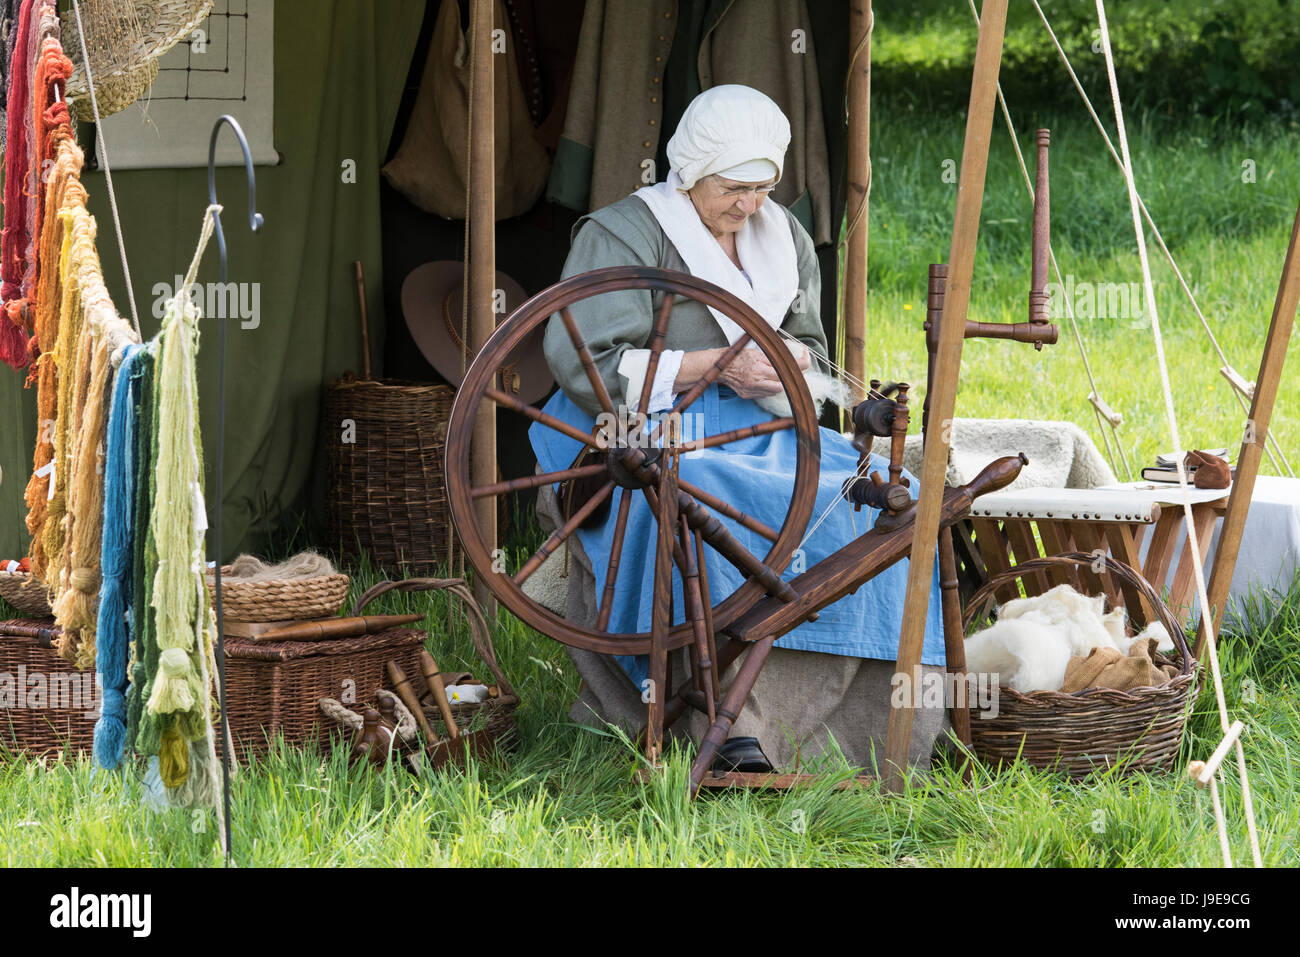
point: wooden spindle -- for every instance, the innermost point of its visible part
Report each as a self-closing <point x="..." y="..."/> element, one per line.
<point x="1038" y="296"/>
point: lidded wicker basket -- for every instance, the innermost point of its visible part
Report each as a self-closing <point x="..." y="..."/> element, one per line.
<point x="1085" y="731"/>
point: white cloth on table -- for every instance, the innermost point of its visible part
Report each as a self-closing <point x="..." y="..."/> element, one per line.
<point x="1269" y="557"/>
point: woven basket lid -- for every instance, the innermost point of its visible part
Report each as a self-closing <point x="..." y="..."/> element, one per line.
<point x="163" y="24"/>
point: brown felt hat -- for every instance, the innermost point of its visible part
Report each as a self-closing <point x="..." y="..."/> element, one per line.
<point x="432" y="299"/>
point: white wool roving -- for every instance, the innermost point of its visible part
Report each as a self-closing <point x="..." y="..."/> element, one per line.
<point x="823" y="387"/>
<point x="1033" y="640"/>
<point x="1164" y="641"/>
<point x="1079" y="617"/>
<point x="1023" y="654"/>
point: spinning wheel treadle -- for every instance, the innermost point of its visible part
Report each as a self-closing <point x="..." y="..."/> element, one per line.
<point x="693" y="512"/>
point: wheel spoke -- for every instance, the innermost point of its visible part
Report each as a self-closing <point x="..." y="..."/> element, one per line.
<point x="588" y="363"/>
<point x="656" y="350"/>
<point x="615" y="556"/>
<point x="710" y="376"/>
<point x="725" y="544"/>
<point x="534" y="481"/>
<point x="537" y="415"/>
<point x="695" y="604"/>
<point x="733" y="513"/>
<point x="702" y="565"/>
<point x="560" y="534"/>
<point x="749" y="432"/>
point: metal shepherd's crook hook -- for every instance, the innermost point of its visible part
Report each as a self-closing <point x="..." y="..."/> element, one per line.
<point x="255" y="224"/>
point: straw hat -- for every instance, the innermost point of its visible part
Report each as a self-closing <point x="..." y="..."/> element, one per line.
<point x="432" y="300"/>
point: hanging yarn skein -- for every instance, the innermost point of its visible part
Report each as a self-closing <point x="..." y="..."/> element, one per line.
<point x="13" y="241"/>
<point x="53" y="127"/>
<point x="142" y="730"/>
<point x="102" y="336"/>
<point x="45" y="36"/>
<point x="181" y="685"/>
<point x="115" y="564"/>
<point x="65" y="193"/>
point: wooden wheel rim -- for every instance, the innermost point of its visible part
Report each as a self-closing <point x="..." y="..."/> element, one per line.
<point x="481" y="376"/>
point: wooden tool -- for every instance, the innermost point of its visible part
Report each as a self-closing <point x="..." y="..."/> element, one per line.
<point x="373" y="741"/>
<point x="477" y="744"/>
<point x="433" y="677"/>
<point x="45" y="636"/>
<point x="360" y="278"/>
<point x="402" y="685"/>
<point x="327" y="628"/>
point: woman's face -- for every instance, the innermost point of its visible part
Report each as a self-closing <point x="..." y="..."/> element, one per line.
<point x="725" y="205"/>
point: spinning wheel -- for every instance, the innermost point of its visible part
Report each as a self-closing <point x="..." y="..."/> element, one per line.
<point x="637" y="466"/>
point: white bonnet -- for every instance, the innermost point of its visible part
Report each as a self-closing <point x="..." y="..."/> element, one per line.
<point x="732" y="130"/>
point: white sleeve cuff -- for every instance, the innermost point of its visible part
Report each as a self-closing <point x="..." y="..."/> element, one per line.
<point x="632" y="367"/>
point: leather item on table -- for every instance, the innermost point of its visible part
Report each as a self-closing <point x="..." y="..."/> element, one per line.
<point x="1211" y="471"/>
<point x="1107" y="668"/>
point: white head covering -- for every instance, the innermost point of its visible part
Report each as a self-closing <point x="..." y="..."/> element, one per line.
<point x="731" y="130"/>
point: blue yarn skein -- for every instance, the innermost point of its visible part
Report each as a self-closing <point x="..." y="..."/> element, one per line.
<point x="115" y="563"/>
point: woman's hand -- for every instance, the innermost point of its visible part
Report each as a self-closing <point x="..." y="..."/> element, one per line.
<point x="749" y="375"/>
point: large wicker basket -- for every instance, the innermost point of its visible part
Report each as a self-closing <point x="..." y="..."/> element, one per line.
<point x="61" y="719"/>
<point x="385" y="494"/>
<point x="1096" y="728"/>
<point x="25" y="593"/>
<point x="495" y="716"/>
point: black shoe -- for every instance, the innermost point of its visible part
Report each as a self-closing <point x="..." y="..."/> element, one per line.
<point x="741" y="754"/>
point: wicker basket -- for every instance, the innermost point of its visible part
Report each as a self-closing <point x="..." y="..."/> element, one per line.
<point x="25" y="593"/>
<point x="132" y="62"/>
<point x="40" y="731"/>
<point x="272" y="687"/>
<point x="385" y="491"/>
<point x="288" y="599"/>
<point x="495" y="716"/>
<point x="1092" y="729"/>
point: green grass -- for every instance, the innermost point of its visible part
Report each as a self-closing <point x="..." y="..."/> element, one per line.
<point x="569" y="796"/>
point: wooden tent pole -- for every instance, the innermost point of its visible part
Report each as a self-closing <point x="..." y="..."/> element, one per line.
<point x="859" y="181"/>
<point x="1252" y="446"/>
<point x="482" y="257"/>
<point x="961" y="266"/>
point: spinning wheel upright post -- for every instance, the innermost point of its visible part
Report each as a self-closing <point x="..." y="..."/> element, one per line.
<point x="961" y="260"/>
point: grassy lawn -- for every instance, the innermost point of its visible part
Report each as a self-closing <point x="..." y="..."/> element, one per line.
<point x="568" y="796"/>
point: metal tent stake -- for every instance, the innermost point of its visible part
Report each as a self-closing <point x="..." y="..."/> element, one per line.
<point x="255" y="224"/>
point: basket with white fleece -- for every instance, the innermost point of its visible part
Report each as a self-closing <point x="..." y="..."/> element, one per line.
<point x="1081" y="732"/>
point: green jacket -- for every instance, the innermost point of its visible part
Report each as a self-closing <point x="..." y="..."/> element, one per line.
<point x="626" y="233"/>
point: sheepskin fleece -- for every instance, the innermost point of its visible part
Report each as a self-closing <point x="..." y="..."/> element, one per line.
<point x="1061" y="455"/>
<point x="1033" y="640"/>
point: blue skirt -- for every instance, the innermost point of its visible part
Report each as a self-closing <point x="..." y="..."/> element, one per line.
<point x="756" y="475"/>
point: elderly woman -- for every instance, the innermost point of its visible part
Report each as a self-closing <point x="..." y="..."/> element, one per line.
<point x="714" y="218"/>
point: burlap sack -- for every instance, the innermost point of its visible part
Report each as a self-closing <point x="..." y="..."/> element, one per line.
<point x="430" y="168"/>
